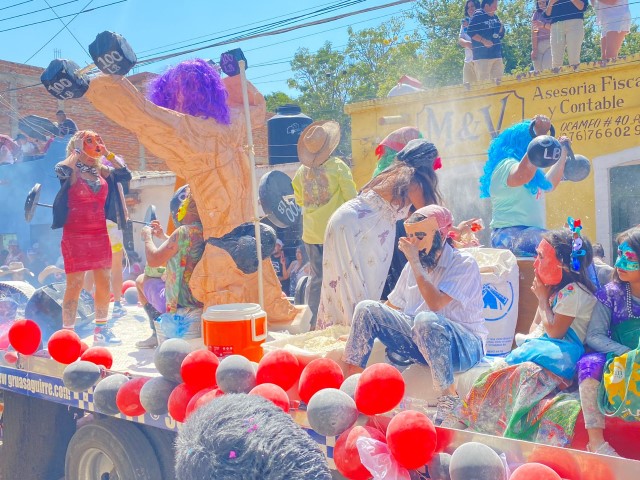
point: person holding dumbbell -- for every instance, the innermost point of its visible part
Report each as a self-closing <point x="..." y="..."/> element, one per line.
<point x="515" y="181"/>
<point x="195" y="121"/>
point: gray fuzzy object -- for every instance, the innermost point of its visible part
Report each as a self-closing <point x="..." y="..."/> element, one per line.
<point x="240" y="436"/>
<point x="154" y="395"/>
<point x="104" y="395"/>
<point x="331" y="411"/>
<point x="350" y="384"/>
<point x="236" y="374"/>
<point x="168" y="358"/>
<point x="80" y="376"/>
<point x="476" y="461"/>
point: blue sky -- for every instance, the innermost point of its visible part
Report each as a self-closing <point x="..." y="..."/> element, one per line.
<point x="149" y="25"/>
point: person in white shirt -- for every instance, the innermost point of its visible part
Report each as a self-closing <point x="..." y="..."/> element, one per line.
<point x="464" y="40"/>
<point x="434" y="314"/>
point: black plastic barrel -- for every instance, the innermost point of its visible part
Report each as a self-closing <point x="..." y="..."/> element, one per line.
<point x="283" y="130"/>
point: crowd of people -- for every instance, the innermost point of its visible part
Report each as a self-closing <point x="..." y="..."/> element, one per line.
<point x="24" y="149"/>
<point x="433" y="314"/>
<point x="557" y="27"/>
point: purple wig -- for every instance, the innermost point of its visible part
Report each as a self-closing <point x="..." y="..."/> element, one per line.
<point x="193" y="87"/>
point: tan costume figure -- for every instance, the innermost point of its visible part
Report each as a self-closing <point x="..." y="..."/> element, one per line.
<point x="211" y="157"/>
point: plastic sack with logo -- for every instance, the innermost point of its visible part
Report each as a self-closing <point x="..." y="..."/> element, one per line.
<point x="500" y="295"/>
<point x="619" y="394"/>
<point x="377" y="458"/>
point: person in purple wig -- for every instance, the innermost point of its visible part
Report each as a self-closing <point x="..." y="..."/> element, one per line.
<point x="516" y="187"/>
<point x="207" y="96"/>
<point x="194" y="121"/>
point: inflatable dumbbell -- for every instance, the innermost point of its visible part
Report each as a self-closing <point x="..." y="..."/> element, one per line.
<point x="577" y="168"/>
<point x="544" y="151"/>
<point x="112" y="54"/>
<point x="229" y="62"/>
<point x="62" y="80"/>
<point x="532" y="132"/>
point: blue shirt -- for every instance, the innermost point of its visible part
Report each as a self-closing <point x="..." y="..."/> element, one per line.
<point x="488" y="27"/>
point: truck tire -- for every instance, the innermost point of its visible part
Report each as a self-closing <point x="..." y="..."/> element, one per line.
<point x="110" y="449"/>
<point x="162" y="442"/>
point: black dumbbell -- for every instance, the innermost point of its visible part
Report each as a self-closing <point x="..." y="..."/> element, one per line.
<point x="544" y="151"/>
<point x="112" y="54"/>
<point x="577" y="168"/>
<point x="229" y="62"/>
<point x="532" y="131"/>
<point x="63" y="81"/>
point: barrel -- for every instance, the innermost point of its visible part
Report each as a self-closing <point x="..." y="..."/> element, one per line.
<point x="283" y="131"/>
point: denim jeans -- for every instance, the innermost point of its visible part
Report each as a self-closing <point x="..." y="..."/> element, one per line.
<point x="427" y="338"/>
<point x="521" y="240"/>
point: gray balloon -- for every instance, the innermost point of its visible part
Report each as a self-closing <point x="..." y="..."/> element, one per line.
<point x="235" y="374"/>
<point x="168" y="358"/>
<point x="154" y="395"/>
<point x="80" y="376"/>
<point x="439" y="466"/>
<point x="104" y="395"/>
<point x="331" y="411"/>
<point x="350" y="384"/>
<point x="476" y="461"/>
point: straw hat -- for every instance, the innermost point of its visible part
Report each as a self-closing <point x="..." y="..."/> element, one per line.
<point x="14" y="267"/>
<point x="49" y="270"/>
<point x="317" y="142"/>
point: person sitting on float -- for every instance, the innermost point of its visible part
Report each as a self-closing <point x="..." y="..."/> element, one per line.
<point x="613" y="331"/>
<point x="181" y="252"/>
<point x="89" y="195"/>
<point x="359" y="240"/>
<point x="520" y="397"/>
<point x="434" y="314"/>
<point x="516" y="187"/>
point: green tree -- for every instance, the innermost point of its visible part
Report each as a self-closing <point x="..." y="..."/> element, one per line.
<point x="277" y="99"/>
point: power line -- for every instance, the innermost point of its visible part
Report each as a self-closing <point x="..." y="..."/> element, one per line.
<point x="64" y="16"/>
<point x="337" y="5"/>
<point x="16" y="4"/>
<point x="63" y="27"/>
<point x="66" y="26"/>
<point x="37" y="11"/>
<point x="275" y="32"/>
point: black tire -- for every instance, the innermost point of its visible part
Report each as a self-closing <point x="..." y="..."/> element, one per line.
<point x="128" y="451"/>
<point x="162" y="442"/>
<point x="301" y="289"/>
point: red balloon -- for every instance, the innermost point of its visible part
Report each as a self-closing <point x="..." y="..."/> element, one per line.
<point x="207" y="395"/>
<point x="25" y="336"/>
<point x="128" y="397"/>
<point x="445" y="438"/>
<point x="127" y="284"/>
<point x="193" y="405"/>
<point x="83" y="347"/>
<point x="412" y="439"/>
<point x="10" y="357"/>
<point x="345" y="453"/>
<point x="179" y="400"/>
<point x="558" y="459"/>
<point x="273" y="393"/>
<point x="198" y="369"/>
<point x="380" y="388"/>
<point x="64" y="346"/>
<point x="279" y="367"/>
<point x="538" y="471"/>
<point x="379" y="422"/>
<point x="99" y="356"/>
<point x="320" y="373"/>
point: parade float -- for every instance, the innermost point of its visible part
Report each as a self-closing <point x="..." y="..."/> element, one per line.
<point x="89" y="412"/>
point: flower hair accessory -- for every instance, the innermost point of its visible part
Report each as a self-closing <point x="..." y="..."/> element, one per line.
<point x="576" y="246"/>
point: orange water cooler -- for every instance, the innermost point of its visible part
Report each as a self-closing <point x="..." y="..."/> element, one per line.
<point x="235" y="329"/>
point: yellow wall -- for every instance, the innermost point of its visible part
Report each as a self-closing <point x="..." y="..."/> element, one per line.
<point x="598" y="107"/>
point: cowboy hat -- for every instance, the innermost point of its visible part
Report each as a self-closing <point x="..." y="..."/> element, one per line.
<point x="49" y="270"/>
<point x="317" y="142"/>
<point x="14" y="267"/>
